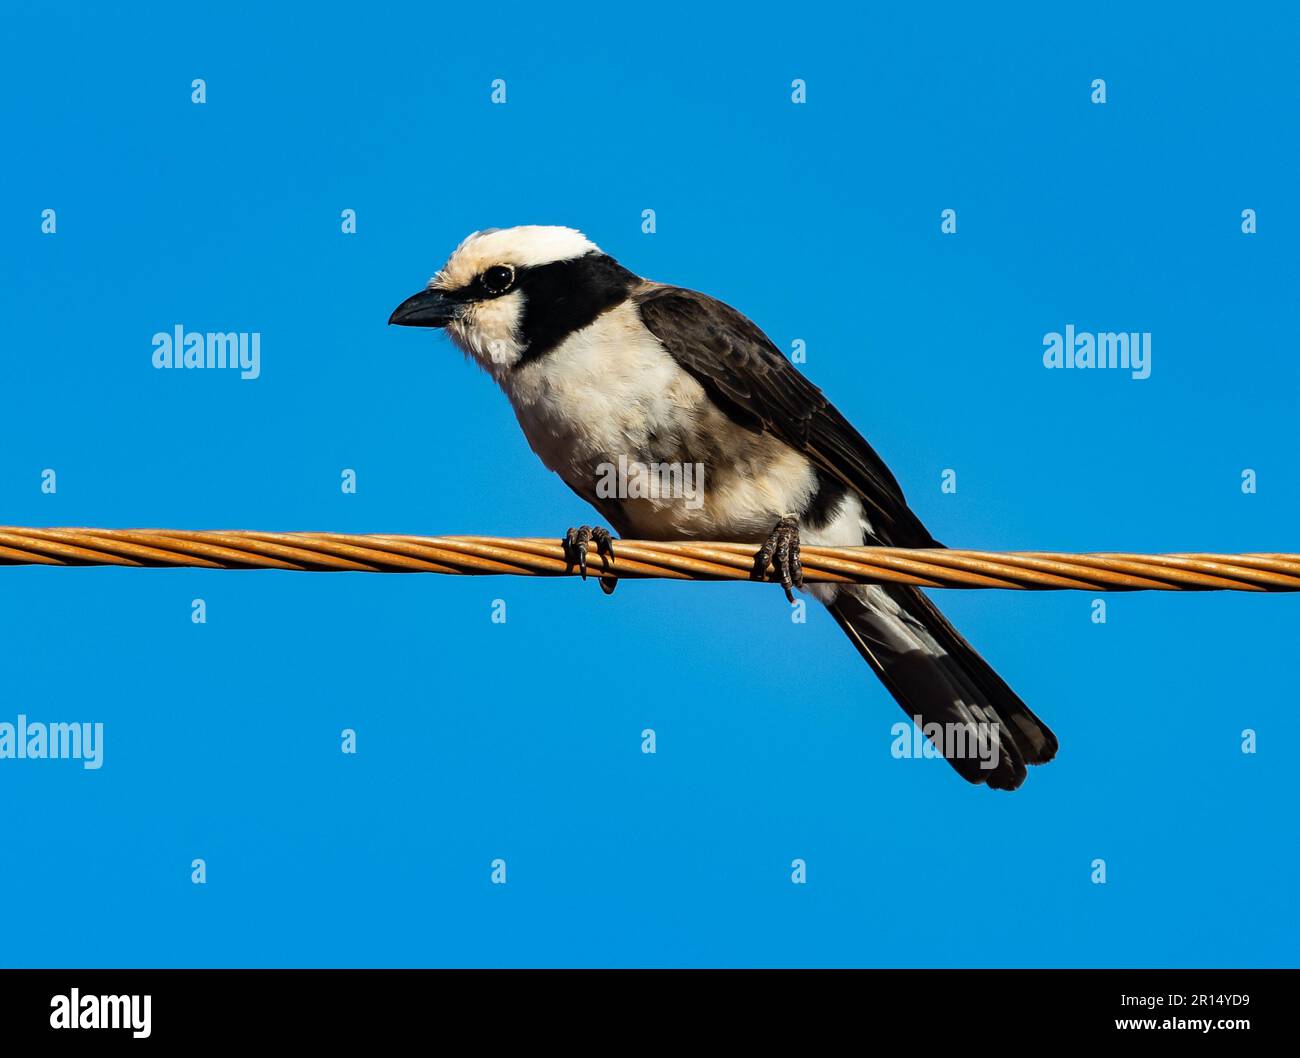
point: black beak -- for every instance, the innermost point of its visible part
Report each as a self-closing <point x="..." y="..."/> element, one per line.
<point x="428" y="308"/>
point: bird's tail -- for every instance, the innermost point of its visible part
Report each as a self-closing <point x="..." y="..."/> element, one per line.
<point x="974" y="719"/>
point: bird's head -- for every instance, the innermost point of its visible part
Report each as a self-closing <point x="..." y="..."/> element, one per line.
<point x="509" y="295"/>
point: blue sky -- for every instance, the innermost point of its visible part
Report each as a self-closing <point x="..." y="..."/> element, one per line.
<point x="521" y="740"/>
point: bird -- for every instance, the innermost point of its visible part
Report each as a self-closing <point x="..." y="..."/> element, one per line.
<point x="600" y="364"/>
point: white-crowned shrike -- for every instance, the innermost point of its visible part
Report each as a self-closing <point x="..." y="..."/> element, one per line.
<point x="602" y="365"/>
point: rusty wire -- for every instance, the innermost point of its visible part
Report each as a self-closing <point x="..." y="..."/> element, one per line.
<point x="635" y="559"/>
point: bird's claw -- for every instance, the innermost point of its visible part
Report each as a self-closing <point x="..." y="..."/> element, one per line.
<point x="781" y="552"/>
<point x="575" y="544"/>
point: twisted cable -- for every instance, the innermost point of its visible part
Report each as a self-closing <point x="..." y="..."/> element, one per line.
<point x="638" y="559"/>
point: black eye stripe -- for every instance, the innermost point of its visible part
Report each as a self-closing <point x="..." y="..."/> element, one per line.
<point x="565" y="296"/>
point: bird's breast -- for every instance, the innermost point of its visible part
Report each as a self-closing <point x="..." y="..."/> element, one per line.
<point x="614" y="415"/>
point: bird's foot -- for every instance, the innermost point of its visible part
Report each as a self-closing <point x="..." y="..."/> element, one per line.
<point x="575" y="544"/>
<point x="781" y="552"/>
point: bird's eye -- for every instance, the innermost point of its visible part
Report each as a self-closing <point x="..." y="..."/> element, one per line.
<point x="497" y="279"/>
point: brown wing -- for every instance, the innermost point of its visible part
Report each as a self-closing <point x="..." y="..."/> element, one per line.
<point x="749" y="379"/>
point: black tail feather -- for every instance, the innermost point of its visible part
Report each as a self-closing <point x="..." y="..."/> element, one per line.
<point x="934" y="674"/>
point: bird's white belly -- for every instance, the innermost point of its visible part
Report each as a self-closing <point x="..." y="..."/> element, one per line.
<point x="613" y="414"/>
